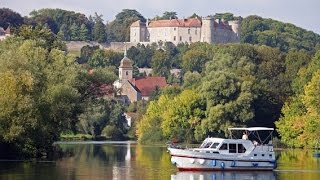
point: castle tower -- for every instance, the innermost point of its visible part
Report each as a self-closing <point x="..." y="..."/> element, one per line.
<point x="138" y="31"/>
<point x="236" y="28"/>
<point x="207" y="30"/>
<point x="125" y="68"/>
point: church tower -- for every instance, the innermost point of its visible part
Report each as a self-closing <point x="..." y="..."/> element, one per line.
<point x="125" y="68"/>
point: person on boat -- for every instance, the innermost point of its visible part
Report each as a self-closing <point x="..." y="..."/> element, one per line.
<point x="245" y="136"/>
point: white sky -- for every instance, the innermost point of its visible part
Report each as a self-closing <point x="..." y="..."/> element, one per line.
<point x="303" y="13"/>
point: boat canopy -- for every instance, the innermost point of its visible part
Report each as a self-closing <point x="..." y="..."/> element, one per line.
<point x="254" y="133"/>
<point x="251" y="129"/>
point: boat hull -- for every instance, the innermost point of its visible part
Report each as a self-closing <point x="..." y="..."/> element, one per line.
<point x="190" y="161"/>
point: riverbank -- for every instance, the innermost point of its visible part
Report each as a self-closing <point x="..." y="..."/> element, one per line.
<point x="88" y="137"/>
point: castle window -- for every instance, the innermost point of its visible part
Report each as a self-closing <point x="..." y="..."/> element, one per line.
<point x="180" y="38"/>
<point x="188" y="31"/>
<point x="174" y="38"/>
<point x="174" y="29"/>
<point x="195" y="31"/>
<point x="127" y="73"/>
<point x="190" y="39"/>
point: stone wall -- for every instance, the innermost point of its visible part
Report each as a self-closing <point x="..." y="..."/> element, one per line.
<point x="121" y="46"/>
<point x="77" y="45"/>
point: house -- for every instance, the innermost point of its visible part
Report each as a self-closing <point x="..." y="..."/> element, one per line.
<point x="4" y="33"/>
<point x="132" y="89"/>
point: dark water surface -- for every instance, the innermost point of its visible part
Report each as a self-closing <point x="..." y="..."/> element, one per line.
<point x="127" y="160"/>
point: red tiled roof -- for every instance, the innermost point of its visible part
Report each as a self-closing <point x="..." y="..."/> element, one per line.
<point x="193" y="22"/>
<point x="133" y="115"/>
<point x="147" y="85"/>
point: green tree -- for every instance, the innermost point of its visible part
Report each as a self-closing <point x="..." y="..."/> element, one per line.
<point x="75" y="32"/>
<point x="183" y="114"/>
<point x="285" y="36"/>
<point x="119" y="29"/>
<point x="224" y="16"/>
<point x="43" y="35"/>
<point x="83" y="33"/>
<point x="99" y="29"/>
<point x="9" y="17"/>
<point x="169" y="15"/>
<point x="56" y="18"/>
<point x="228" y="95"/>
<point x="43" y="101"/>
<point x="299" y="125"/>
<point x="191" y="80"/>
<point x="86" y="53"/>
<point x="64" y="33"/>
<point x="161" y="63"/>
<point x="98" y="59"/>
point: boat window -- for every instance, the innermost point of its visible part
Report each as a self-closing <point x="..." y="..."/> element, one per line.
<point x="206" y="145"/>
<point x="224" y="147"/>
<point x="232" y="148"/>
<point x="262" y="154"/>
<point x="241" y="148"/>
<point x="214" y="145"/>
<point x="255" y="155"/>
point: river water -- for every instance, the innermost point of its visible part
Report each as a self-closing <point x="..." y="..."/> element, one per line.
<point x="128" y="160"/>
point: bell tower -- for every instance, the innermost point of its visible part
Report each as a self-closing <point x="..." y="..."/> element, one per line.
<point x="125" y="68"/>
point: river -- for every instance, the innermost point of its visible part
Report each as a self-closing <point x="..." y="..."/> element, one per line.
<point x="128" y="160"/>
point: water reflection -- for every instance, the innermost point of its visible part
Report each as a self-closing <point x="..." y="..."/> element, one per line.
<point x="218" y="175"/>
<point x="129" y="161"/>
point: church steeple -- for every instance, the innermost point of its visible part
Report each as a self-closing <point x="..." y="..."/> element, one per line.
<point x="125" y="52"/>
<point x="125" y="68"/>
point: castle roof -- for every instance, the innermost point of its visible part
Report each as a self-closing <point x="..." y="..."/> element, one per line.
<point x="147" y="85"/>
<point x="222" y="25"/>
<point x="192" y="22"/>
<point x="137" y="24"/>
<point x="125" y="63"/>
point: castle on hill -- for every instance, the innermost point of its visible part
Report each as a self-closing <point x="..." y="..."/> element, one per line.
<point x="206" y="29"/>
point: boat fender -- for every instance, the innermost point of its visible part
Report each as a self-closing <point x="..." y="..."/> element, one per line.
<point x="214" y="163"/>
<point x="222" y="165"/>
<point x="173" y="163"/>
<point x="201" y="161"/>
<point x="192" y="160"/>
<point x="275" y="165"/>
<point x="255" y="164"/>
<point x="233" y="164"/>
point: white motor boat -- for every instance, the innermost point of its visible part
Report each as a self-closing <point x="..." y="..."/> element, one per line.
<point x="228" y="154"/>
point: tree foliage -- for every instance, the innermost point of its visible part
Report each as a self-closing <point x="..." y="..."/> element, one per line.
<point x="285" y="36"/>
<point x="119" y="29"/>
<point x="299" y="126"/>
<point x="10" y="18"/>
<point x="43" y="98"/>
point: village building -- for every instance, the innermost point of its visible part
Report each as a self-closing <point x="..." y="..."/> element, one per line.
<point x="4" y="33"/>
<point x="132" y="89"/>
<point x="206" y="29"/>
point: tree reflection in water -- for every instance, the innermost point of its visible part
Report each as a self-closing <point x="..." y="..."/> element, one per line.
<point x="129" y="161"/>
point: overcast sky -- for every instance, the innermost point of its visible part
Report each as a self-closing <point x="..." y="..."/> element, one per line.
<point x="303" y="13"/>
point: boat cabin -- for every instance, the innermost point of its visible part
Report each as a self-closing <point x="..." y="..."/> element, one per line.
<point x="226" y="146"/>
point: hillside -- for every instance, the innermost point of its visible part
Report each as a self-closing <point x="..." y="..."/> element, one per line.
<point x="286" y="36"/>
